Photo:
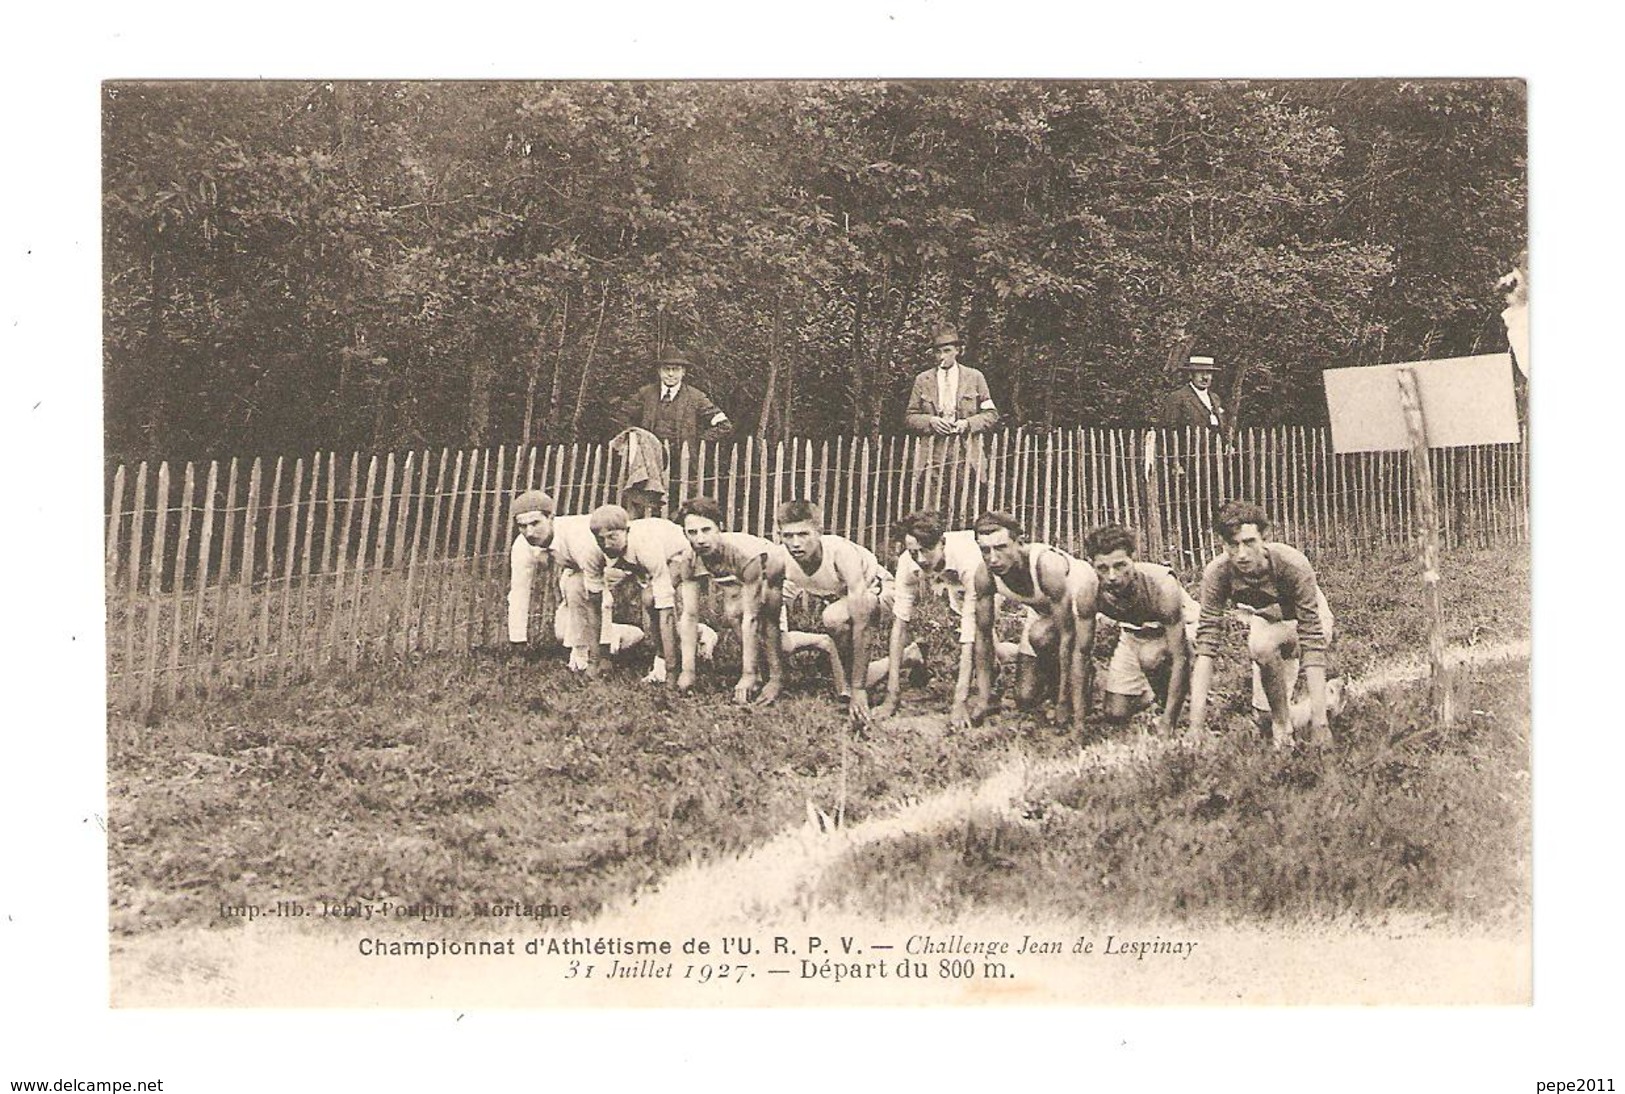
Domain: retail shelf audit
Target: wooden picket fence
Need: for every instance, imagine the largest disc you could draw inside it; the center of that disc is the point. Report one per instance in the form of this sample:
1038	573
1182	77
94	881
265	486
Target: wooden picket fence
261	571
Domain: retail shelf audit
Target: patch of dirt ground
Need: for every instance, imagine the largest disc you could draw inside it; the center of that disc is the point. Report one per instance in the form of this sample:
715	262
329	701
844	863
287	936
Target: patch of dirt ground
767	893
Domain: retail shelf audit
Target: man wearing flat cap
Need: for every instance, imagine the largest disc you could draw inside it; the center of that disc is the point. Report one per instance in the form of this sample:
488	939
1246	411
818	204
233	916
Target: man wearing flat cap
1195	405
949	403
567	544
674	410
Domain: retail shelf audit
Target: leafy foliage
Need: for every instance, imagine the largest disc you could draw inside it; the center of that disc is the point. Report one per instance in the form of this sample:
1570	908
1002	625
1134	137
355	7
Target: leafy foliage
380	265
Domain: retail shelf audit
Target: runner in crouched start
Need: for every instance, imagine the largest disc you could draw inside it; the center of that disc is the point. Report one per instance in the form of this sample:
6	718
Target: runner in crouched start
933	557
1273	588
858	592
749	572
567	545
640	548
1057	638
623	639
1156	620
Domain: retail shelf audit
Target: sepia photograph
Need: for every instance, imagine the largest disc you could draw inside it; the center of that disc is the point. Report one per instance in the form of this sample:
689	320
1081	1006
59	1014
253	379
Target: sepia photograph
816	542
880	545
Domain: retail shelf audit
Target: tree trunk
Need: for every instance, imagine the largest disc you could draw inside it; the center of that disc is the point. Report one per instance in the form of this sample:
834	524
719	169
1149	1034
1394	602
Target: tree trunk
380	414
788	407
533	380
1018	369
155	349
975	325
893	341
552	419
478	423
772	367
859	307
340	115
530	404
1179	353
586	366
1076	407
1049	388
1236	386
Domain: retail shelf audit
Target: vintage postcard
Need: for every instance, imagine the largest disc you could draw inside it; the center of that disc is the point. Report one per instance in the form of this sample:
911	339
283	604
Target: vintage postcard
824	543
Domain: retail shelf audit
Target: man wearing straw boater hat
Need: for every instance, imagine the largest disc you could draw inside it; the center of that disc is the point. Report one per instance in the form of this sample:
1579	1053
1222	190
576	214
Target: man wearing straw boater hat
1194	405
1194	412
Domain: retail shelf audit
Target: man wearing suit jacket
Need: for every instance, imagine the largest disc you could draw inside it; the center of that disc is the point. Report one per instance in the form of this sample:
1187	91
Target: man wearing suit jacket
1193	408
676	412
1195	405
949	401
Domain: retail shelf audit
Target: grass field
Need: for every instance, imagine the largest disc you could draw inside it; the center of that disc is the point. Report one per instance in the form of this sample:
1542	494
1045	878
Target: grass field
455	780
1396	818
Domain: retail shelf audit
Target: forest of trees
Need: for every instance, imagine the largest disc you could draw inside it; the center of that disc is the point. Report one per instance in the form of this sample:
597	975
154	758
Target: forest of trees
292	266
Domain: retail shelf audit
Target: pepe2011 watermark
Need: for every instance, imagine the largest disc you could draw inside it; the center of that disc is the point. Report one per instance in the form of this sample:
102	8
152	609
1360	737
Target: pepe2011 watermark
423	911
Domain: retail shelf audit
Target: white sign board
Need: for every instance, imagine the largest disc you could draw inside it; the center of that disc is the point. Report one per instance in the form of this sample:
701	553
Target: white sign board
1465	400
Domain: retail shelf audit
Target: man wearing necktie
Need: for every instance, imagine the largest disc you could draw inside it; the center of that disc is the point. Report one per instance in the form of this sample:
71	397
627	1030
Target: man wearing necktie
949	402
675	411
1198	421
1195	405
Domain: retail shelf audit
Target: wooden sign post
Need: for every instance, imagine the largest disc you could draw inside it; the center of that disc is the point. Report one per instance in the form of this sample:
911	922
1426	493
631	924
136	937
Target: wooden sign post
1441	691
1380	408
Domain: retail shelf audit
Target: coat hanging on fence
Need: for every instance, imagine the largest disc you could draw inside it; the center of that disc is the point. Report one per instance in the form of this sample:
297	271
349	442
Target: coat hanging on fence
645	459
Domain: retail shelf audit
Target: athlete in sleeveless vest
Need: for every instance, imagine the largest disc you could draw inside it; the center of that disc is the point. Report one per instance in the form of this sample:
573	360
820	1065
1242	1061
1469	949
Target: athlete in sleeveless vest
848	573
749	571
933	557
1057	637
639	548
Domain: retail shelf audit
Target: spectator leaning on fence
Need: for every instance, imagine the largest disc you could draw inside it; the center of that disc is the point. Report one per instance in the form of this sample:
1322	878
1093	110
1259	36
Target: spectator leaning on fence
1194	404
674	410
1156	622
1273	588
567	544
950	399
1058	637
